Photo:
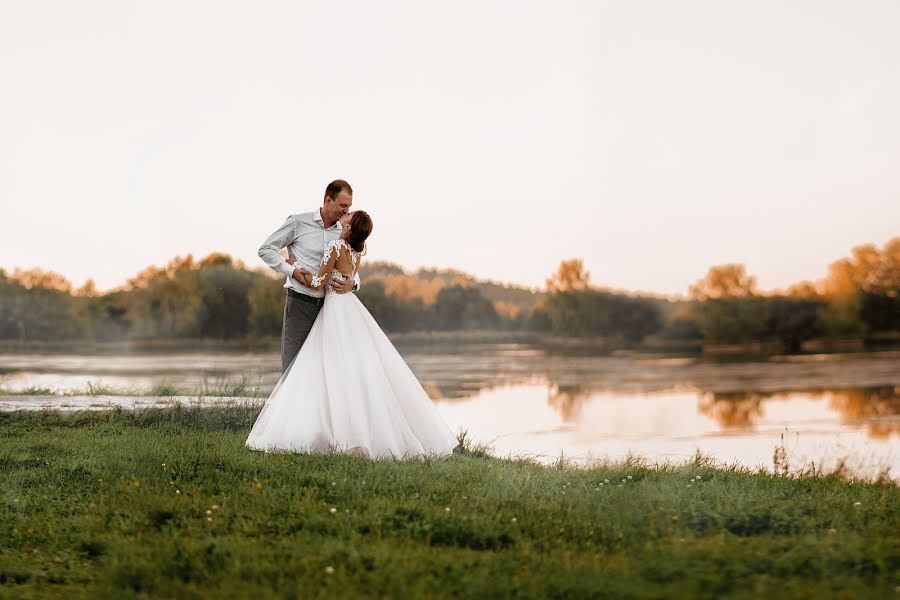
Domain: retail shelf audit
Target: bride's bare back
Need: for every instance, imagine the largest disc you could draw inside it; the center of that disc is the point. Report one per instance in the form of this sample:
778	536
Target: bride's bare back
340	261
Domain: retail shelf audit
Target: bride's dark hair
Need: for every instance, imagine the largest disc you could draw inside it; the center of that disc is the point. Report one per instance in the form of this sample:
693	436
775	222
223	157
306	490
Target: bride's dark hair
360	228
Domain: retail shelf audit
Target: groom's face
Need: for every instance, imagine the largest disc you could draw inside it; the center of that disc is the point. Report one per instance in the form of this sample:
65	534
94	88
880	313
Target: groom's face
339	206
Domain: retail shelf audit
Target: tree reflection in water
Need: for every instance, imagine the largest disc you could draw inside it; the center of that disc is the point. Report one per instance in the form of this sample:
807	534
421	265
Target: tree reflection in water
733	410
880	403
567	400
742	410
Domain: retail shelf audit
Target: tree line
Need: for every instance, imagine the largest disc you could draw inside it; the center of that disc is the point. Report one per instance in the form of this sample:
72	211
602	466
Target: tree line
217	297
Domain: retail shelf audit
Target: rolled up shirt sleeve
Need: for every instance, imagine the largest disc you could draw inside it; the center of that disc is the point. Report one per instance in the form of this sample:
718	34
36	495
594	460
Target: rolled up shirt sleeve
282	236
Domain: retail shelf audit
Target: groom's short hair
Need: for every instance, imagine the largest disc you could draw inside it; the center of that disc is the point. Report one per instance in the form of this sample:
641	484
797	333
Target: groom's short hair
336	187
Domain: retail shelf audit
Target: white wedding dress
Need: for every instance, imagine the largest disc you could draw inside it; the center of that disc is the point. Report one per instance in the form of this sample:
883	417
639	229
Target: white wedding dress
349	390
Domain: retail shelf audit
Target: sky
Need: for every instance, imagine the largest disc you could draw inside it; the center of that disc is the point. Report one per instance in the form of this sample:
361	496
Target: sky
651	139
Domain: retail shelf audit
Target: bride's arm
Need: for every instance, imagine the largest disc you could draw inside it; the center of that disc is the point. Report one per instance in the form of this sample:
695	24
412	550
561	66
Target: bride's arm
301	275
331	254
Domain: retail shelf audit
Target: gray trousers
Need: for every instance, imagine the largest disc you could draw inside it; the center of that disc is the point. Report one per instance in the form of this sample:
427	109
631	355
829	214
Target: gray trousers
299	317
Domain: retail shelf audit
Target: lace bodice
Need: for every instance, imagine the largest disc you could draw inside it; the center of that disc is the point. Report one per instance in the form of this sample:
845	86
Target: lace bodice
339	257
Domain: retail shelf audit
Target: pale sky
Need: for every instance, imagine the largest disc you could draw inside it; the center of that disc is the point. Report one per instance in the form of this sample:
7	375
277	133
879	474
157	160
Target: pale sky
651	139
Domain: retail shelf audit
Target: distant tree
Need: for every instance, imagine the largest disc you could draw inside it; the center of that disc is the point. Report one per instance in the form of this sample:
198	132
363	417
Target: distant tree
570	276
601	313
266	302
377	269
382	308
863	291
724	281
224	291
683	327
731	320
792	321
459	307
89	289
165	302
29	311
804	290
538	319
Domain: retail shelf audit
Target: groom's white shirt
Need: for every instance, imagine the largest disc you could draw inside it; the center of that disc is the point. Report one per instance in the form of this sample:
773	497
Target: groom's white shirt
305	237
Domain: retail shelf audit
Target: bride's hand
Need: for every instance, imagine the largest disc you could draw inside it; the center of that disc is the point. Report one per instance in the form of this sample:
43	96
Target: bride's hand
304	277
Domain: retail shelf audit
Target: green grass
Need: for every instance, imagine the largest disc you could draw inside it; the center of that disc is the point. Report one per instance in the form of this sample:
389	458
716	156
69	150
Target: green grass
169	503
164	388
246	387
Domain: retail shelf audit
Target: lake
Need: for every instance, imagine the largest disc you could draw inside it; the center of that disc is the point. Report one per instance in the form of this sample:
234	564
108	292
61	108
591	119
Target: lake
525	400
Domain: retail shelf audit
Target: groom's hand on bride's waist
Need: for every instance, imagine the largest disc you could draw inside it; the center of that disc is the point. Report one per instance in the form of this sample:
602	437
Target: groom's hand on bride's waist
342	287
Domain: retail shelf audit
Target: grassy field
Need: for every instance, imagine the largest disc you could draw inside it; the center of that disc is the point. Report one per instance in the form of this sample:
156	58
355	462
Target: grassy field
169	503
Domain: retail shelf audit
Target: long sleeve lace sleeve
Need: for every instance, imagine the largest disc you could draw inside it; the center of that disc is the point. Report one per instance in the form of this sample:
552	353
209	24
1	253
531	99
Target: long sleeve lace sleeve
331	254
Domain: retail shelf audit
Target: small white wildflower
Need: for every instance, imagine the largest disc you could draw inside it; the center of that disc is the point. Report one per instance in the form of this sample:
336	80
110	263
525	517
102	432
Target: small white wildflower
333	484
699	478
329	569
857	504
446	509
513	519
624	480
209	519
832	531
177	492
629	477
332	510
215	507
208	512
601	483
606	481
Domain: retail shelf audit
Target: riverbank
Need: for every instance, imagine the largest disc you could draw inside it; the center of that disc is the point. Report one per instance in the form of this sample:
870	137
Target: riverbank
169	502
444	340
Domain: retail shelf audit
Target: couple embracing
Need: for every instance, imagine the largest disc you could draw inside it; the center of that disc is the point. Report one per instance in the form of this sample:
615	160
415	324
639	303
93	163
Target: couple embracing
345	387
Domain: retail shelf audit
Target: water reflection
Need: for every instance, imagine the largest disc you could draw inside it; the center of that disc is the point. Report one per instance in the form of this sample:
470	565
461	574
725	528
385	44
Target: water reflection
877	407
825	427
524	401
568	400
733	410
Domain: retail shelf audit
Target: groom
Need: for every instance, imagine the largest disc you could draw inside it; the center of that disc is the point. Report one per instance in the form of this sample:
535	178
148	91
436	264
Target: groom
305	236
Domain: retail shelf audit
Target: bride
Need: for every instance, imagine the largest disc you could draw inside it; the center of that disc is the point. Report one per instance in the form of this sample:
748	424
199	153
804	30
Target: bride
348	389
